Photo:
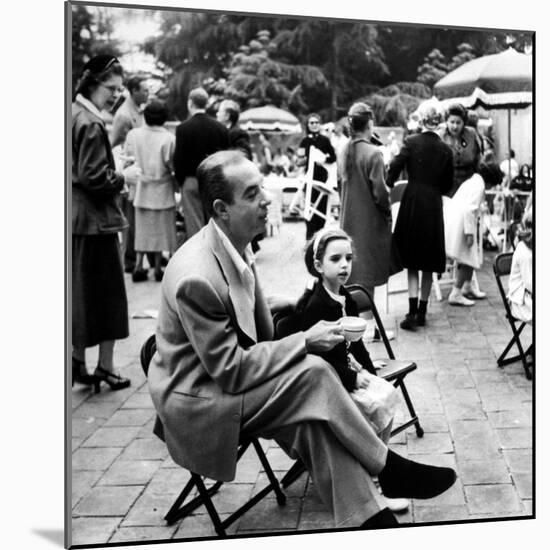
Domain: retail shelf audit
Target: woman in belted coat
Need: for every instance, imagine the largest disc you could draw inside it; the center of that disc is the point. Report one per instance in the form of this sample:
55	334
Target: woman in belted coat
99	304
419	230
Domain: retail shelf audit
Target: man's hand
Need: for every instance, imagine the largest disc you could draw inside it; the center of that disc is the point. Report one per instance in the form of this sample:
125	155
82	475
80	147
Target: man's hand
469	240
323	336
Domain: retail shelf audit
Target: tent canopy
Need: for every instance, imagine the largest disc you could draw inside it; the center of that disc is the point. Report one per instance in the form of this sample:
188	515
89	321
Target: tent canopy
269	119
504	72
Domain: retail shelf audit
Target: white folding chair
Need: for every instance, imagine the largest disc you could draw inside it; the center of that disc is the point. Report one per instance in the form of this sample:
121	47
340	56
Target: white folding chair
325	189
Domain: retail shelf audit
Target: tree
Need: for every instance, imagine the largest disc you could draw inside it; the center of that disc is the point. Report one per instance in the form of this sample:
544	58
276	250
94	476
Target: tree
465	54
433	69
91	35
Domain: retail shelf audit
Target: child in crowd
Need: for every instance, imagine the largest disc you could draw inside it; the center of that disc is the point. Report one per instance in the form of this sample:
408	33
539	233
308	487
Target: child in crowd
520	284
328	258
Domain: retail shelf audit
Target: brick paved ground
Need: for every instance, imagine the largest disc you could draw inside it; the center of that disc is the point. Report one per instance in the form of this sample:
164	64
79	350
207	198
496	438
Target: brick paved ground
477	419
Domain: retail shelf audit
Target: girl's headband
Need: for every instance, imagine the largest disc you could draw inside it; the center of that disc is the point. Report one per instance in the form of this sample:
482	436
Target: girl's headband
323	233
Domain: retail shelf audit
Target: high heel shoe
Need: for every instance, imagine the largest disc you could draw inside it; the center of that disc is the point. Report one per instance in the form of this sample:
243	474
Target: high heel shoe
114	381
80	374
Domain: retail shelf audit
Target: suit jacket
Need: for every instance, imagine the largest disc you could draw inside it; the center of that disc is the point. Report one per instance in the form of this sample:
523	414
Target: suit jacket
317	305
207	357
196	138
95	184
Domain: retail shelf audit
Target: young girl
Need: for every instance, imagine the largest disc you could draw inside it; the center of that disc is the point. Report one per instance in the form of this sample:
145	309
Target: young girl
329	257
520	284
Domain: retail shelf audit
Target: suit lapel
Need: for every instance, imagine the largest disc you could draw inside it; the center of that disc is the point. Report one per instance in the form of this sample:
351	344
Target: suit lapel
243	305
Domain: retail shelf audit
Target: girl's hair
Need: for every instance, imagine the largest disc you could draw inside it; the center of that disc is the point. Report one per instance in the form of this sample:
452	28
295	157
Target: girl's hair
315	250
526	233
317	246
99	69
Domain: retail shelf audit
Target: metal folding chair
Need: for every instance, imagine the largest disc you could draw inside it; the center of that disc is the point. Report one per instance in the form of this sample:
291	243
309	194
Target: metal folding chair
394	370
502	267
180	510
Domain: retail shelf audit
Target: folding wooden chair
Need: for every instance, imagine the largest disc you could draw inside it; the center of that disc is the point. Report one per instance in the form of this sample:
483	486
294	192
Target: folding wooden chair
180	510
501	267
324	189
394	370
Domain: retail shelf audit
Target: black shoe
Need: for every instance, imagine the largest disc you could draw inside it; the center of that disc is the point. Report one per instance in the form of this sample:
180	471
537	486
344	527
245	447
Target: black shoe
382	519
80	374
114	381
129	268
158	275
409	322
420	320
163	261
403	478
139	275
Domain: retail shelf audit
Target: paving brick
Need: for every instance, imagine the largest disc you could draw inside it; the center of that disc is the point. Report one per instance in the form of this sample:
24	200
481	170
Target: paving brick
431	514
519	418
82	483
465	411
130	472
477	472
493	403
231	496
108	396
130	417
200	526
138	400
94	458
145	449
429	444
84	427
135	534
111	437
519	460
168	481
268	516
107	501
148	510
524	485
96	410
92	530
497	500
515	438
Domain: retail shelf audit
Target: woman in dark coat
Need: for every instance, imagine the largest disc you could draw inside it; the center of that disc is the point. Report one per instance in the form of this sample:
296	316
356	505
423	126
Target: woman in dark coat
99	305
419	231
314	138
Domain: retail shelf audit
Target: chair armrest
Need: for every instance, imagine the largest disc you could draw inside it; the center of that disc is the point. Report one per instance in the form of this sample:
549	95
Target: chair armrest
395	368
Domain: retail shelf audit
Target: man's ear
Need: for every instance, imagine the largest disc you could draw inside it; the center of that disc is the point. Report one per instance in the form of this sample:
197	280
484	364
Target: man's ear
220	209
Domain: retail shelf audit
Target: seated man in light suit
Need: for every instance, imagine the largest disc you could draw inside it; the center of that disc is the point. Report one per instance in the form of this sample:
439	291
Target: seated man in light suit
217	374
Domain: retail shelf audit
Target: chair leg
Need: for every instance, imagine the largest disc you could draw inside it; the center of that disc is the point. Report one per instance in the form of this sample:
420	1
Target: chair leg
177	511
281	497
204	493
414	418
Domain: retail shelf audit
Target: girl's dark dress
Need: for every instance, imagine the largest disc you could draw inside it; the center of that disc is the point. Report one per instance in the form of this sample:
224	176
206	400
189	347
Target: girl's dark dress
317	305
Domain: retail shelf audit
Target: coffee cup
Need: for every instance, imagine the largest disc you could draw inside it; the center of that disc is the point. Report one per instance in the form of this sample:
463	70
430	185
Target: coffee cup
354	328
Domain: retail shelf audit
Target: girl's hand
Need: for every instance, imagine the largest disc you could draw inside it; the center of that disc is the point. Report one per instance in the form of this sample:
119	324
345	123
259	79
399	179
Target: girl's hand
469	240
361	381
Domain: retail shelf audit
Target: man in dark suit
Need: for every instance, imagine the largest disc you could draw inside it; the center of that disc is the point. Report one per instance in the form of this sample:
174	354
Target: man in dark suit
219	375
196	138
228	115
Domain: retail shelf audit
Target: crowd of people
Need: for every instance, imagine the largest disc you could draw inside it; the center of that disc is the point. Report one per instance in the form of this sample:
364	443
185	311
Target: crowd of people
218	373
